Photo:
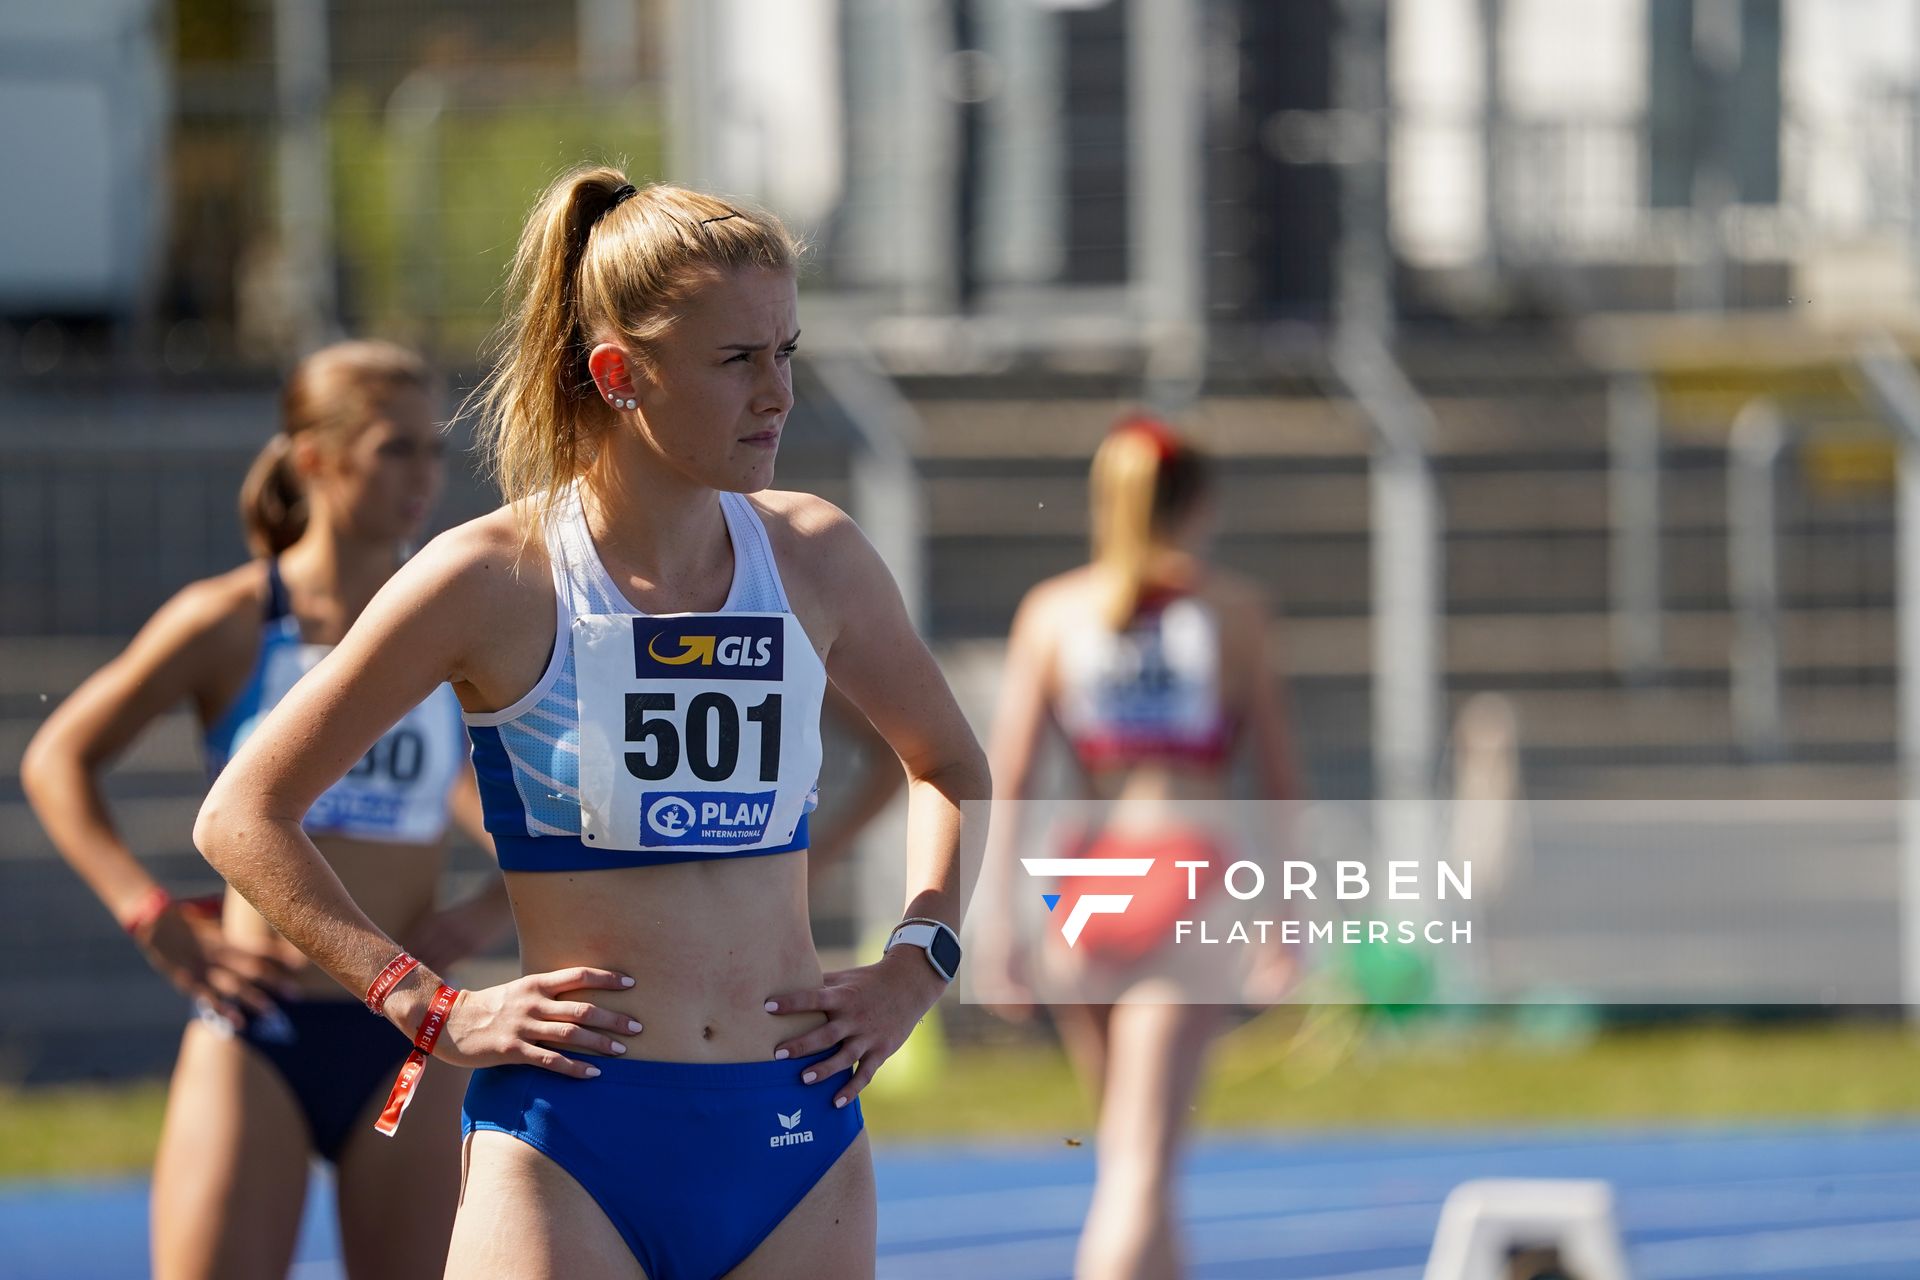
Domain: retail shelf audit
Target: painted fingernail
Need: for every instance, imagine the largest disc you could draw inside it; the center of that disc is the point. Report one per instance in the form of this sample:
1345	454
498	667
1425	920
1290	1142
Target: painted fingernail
773	1006
618	1047
839	1102
779	1054
626	981
809	1077
592	1072
632	1025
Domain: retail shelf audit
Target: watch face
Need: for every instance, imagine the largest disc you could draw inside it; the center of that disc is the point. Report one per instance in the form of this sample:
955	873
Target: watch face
945	952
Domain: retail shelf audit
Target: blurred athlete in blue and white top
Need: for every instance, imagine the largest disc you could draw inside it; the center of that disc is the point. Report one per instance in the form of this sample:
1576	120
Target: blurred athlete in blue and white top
642	639
280	1065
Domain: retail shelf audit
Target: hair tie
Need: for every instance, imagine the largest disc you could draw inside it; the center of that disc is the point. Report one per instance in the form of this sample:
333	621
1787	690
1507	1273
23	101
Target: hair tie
626	192
1159	434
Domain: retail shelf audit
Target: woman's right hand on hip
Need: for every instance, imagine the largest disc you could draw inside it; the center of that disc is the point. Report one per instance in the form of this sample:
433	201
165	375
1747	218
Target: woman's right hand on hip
527	1021
190	951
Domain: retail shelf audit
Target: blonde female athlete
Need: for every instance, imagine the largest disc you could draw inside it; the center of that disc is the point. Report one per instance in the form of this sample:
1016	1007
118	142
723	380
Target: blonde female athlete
279	1065
1155	667
641	648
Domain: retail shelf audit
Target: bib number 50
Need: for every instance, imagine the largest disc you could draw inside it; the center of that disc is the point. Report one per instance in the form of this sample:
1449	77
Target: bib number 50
711	736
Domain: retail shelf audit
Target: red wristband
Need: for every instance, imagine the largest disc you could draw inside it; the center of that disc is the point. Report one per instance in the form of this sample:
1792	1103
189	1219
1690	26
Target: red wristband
387	979
152	905
430	1028
208	905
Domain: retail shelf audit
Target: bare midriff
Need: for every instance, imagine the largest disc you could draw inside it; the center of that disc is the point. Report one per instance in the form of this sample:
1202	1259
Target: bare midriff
1154	798
395	884
706	943
1148	784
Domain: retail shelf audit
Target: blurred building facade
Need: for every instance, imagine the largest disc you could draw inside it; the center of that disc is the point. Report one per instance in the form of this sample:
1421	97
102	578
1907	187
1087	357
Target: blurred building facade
242	177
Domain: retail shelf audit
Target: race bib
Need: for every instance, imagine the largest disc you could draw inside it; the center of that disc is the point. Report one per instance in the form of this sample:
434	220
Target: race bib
690	724
1156	680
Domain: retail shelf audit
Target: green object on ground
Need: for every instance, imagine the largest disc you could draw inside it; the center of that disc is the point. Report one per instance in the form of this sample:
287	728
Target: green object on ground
1391	978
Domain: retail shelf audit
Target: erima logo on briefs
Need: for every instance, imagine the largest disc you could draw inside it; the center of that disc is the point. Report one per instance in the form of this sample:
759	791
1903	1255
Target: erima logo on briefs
713	818
1087	905
710	647
789	1138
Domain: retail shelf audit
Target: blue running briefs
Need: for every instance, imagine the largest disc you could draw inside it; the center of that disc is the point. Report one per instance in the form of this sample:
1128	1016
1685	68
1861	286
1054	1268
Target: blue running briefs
695	1163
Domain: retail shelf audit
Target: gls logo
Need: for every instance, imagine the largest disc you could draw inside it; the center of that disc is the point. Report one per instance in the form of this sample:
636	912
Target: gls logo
1087	905
706	650
712	647
789	1138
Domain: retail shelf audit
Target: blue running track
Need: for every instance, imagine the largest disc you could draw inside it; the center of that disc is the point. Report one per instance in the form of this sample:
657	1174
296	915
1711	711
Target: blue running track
1802	1203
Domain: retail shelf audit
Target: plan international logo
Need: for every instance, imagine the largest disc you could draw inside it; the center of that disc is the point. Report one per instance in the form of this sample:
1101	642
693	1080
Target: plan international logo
723	818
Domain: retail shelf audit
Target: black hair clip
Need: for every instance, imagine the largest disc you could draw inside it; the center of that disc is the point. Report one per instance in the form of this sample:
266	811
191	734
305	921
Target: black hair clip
722	218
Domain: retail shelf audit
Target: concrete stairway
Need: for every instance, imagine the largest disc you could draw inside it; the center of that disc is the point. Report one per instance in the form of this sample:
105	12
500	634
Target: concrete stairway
1521	466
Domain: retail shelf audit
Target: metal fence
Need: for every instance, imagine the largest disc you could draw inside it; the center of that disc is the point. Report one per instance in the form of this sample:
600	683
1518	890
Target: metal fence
365	167
1578	189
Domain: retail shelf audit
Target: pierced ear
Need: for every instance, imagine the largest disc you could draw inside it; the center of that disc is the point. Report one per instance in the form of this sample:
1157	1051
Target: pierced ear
613	378
307	458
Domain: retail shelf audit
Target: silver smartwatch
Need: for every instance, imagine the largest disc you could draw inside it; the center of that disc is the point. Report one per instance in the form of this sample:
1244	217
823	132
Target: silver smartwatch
933	937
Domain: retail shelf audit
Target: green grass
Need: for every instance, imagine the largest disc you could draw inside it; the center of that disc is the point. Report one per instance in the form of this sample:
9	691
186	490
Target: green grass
1700	1074
80	1131
1432	1079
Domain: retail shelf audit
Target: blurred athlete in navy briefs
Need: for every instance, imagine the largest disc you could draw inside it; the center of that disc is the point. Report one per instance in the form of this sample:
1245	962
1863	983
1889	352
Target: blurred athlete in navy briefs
641	650
1154	666
329	507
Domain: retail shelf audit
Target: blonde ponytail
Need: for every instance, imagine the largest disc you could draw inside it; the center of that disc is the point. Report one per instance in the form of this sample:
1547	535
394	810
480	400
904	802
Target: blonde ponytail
599	260
1144	478
1123	476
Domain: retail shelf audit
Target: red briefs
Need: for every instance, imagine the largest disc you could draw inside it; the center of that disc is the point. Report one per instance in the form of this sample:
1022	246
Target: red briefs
1159	897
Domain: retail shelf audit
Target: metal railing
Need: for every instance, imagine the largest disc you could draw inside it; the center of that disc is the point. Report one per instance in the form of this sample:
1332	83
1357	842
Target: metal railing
1895	388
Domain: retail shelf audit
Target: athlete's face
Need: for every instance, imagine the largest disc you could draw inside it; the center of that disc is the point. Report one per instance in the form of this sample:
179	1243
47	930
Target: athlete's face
715	395
383	484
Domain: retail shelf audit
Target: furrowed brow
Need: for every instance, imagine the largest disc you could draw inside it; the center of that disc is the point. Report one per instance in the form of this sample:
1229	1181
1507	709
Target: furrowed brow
759	346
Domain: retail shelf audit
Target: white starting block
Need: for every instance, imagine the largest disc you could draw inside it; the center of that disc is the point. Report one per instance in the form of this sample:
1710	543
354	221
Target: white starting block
1490	1228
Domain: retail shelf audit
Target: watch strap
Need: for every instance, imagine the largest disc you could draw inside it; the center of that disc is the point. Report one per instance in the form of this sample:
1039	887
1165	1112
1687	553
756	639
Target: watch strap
921	932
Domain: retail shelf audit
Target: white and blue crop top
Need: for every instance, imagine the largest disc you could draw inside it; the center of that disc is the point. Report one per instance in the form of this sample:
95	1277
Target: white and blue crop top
1148	693
656	738
398	791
